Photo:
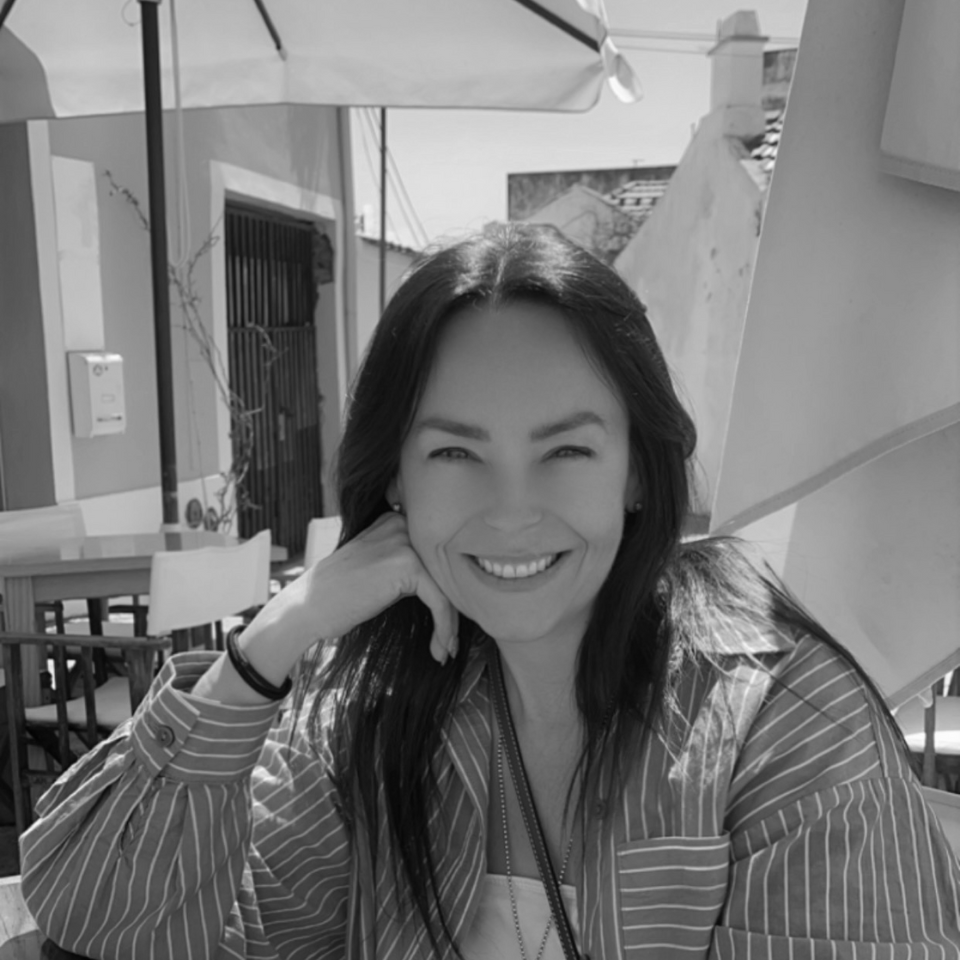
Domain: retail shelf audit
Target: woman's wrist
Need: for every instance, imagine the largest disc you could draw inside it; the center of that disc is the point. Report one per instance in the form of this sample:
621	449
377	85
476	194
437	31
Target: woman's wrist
251	676
222	684
271	645
276	638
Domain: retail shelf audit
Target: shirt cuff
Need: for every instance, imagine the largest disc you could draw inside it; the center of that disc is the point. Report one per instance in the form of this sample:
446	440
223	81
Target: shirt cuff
190	738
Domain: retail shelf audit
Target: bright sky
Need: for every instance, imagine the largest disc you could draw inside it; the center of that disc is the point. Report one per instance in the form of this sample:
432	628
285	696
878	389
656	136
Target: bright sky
454	163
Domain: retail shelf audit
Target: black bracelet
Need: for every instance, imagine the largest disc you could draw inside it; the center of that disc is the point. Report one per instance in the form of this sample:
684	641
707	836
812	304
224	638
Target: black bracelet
249	675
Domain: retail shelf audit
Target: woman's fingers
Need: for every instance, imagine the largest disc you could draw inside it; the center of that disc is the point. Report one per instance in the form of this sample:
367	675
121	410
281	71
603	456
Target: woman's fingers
443	643
375	569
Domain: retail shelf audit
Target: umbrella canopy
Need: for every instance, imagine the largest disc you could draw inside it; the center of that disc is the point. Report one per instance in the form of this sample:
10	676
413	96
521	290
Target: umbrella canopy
61	58
842	454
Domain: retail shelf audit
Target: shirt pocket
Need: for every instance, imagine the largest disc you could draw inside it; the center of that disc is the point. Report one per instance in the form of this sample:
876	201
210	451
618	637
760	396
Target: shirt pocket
732	944
671	893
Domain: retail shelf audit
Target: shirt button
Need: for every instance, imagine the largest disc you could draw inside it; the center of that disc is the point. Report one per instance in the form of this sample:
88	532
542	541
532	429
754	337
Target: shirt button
600	810
165	736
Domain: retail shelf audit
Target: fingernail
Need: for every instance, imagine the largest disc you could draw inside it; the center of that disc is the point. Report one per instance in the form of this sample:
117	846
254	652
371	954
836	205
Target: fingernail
454	645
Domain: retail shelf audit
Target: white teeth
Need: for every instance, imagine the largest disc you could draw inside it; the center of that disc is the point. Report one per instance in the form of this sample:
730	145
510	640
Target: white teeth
517	571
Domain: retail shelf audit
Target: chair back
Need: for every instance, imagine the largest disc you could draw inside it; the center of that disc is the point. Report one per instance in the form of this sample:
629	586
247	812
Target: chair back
24	530
191	588
20	938
323	535
52	727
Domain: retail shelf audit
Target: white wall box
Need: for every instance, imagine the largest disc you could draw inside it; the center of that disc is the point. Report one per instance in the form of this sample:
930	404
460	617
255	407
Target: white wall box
96	393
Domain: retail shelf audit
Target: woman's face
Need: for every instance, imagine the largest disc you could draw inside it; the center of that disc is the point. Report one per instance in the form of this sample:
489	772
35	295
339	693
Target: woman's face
516	473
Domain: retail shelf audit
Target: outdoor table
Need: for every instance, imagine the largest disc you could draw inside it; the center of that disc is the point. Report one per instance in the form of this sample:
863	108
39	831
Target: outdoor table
108	566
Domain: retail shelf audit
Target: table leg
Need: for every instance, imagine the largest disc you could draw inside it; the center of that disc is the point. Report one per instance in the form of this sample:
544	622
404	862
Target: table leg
19	612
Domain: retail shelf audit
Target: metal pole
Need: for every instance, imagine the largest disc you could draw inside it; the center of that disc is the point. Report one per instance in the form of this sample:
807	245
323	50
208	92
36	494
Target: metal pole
383	208
150	34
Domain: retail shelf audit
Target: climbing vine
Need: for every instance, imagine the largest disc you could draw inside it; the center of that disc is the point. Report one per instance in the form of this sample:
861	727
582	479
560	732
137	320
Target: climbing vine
232	496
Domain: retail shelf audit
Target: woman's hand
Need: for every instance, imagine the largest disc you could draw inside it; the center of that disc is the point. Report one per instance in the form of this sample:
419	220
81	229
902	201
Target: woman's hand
365	576
355	583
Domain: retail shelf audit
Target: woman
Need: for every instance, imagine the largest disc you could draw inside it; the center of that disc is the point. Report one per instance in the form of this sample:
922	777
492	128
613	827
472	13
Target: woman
713	775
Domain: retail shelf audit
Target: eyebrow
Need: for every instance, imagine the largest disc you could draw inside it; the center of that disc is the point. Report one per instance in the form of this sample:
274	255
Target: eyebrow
469	431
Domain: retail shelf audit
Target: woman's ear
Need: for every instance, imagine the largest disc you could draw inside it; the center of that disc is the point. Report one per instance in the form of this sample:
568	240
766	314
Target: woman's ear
394	493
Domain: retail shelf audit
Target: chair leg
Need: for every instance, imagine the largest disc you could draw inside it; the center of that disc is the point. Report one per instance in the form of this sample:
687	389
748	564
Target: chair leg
61	694
89	697
49	742
139	618
6	792
95	616
929	778
96	608
140	674
22	806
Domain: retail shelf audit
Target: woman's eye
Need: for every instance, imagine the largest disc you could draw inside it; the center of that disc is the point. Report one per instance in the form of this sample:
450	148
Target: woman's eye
566	453
451	453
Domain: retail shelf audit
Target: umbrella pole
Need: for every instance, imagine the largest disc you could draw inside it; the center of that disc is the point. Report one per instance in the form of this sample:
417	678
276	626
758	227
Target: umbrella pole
383	208
150	35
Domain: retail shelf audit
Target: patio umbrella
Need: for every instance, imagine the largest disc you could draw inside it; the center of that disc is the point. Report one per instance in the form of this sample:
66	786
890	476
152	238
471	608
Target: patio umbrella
842	454
61	58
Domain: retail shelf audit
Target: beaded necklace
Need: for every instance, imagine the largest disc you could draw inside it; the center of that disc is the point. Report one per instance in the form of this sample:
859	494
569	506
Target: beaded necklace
506	848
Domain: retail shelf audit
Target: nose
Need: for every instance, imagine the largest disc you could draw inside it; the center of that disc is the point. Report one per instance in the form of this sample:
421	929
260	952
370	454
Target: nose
514	504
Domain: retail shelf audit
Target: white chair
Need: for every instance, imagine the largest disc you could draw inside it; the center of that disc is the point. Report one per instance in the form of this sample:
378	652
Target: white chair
206	585
323	535
931	727
20	938
188	589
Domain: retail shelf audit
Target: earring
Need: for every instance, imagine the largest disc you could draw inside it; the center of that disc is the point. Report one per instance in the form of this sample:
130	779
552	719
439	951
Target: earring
637	507
396	507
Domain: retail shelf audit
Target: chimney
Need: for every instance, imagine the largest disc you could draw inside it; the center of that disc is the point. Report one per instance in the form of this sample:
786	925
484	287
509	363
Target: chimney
736	74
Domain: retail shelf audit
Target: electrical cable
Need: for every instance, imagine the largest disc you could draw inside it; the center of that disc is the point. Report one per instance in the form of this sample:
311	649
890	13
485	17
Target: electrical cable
411	227
420	233
414	224
412	221
374	173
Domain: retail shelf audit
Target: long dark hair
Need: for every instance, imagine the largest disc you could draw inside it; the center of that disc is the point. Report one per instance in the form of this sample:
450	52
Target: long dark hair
392	700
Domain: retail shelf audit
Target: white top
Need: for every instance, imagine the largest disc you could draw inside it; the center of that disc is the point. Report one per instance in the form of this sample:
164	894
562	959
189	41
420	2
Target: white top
493	935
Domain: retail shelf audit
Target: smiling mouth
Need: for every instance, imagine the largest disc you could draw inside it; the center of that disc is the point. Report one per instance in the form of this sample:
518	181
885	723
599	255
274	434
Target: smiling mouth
517	571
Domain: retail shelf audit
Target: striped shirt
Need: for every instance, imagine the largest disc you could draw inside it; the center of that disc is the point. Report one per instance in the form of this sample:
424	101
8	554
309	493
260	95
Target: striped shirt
781	821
